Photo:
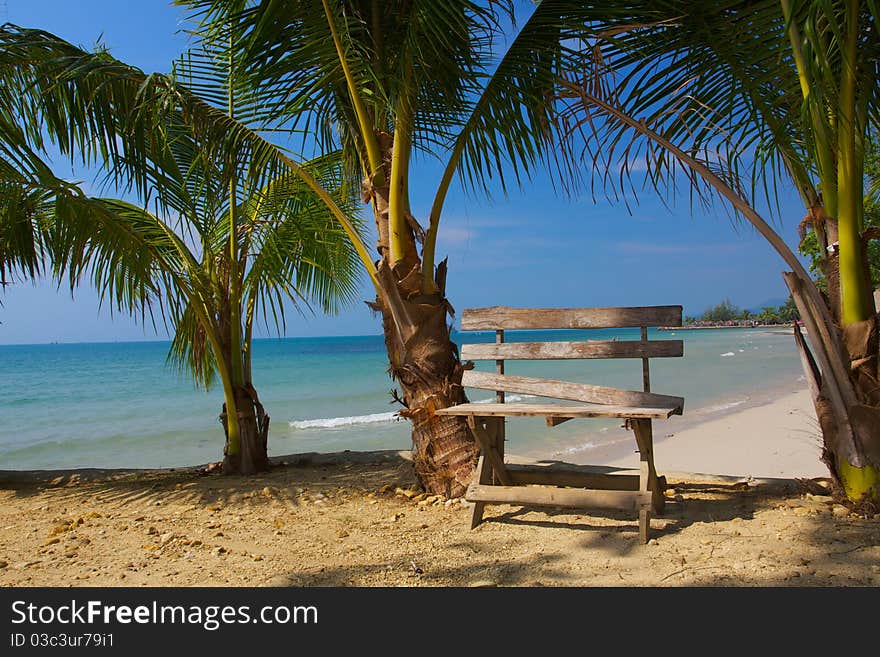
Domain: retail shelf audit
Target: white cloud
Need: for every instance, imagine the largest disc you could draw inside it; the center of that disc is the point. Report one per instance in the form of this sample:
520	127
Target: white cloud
454	235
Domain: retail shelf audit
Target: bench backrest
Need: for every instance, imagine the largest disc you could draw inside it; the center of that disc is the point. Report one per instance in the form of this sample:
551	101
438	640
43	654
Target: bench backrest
503	318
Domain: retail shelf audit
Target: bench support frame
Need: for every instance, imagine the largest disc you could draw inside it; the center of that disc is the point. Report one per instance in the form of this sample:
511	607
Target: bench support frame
497	483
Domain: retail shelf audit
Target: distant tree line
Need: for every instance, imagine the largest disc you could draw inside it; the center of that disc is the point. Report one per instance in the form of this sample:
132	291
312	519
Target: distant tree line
728	313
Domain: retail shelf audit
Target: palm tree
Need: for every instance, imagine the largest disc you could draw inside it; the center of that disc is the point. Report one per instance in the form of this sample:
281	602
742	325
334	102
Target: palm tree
781	91
390	83
211	251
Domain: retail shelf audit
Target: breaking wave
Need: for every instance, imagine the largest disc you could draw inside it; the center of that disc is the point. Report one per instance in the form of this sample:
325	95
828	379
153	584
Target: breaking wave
334	422
374	418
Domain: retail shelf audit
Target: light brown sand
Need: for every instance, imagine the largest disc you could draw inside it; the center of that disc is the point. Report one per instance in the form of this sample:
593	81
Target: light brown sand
337	520
779	439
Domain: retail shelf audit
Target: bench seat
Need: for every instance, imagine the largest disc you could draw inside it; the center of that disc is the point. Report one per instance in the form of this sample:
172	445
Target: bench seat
559	410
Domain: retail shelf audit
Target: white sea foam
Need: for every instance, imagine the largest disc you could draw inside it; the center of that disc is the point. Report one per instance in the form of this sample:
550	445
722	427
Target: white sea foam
332	422
717	408
729	353
507	398
375	418
583	447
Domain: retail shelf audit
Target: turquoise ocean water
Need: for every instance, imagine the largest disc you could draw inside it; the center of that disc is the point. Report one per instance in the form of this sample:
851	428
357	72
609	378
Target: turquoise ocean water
118	405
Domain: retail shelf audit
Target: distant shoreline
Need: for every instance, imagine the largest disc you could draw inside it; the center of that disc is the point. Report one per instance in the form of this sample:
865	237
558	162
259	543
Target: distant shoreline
712	328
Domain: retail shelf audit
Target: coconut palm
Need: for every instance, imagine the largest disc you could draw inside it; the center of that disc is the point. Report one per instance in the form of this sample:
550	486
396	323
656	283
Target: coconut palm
393	84
209	248
778	92
390	84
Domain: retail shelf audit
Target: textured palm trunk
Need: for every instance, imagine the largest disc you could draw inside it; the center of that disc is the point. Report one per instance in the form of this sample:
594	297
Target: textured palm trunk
860	476
423	359
847	401
424	362
250	456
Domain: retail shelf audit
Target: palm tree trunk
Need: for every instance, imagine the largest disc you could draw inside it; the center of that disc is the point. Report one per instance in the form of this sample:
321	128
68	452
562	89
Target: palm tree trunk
846	391
422	357
424	361
848	408
248	455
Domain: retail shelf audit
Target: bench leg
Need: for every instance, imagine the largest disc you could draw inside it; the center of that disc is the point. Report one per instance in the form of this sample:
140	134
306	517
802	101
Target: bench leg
648	480
644	512
485	473
645	439
644	525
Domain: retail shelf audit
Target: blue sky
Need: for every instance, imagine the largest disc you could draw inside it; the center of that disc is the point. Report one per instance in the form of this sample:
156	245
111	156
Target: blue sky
527	249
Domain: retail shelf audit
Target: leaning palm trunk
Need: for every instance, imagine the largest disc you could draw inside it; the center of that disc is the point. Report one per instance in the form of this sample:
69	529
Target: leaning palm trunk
846	397
841	367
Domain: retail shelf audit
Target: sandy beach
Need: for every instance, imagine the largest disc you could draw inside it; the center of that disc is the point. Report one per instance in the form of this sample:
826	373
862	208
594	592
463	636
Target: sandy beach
356	519
776	439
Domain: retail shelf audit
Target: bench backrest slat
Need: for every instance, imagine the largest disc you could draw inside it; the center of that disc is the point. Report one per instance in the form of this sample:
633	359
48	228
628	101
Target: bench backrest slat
570	350
505	318
580	392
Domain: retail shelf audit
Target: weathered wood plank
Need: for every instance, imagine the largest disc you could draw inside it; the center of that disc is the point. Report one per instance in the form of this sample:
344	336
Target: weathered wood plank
487	449
555	421
558	476
499	398
572	498
568	350
581	392
556	410
504	317
644	434
644	525
483	475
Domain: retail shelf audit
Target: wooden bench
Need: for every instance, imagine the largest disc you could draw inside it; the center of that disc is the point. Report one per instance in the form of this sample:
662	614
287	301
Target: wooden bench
498	483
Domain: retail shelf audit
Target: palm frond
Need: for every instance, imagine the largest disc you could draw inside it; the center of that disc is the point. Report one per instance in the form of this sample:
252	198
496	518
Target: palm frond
24	220
191	350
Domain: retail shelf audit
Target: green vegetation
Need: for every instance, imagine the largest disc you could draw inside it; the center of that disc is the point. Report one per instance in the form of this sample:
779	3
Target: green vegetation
809	245
787	97
393	84
389	84
727	312
209	249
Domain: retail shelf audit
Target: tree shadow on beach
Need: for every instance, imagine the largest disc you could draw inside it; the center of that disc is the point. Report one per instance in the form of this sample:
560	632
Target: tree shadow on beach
484	569
692	502
824	550
515	546
288	478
